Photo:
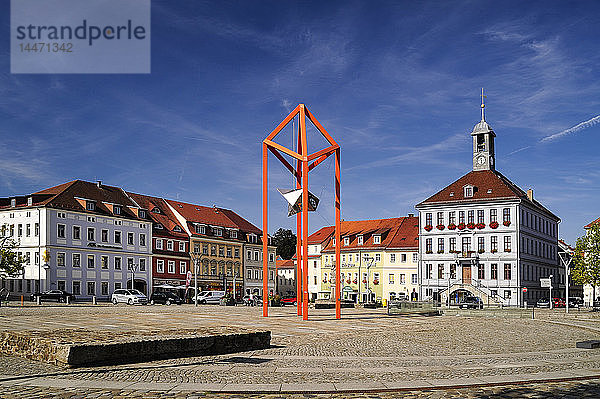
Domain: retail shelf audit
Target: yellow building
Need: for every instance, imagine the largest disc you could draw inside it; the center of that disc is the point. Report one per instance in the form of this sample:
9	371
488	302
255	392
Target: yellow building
379	260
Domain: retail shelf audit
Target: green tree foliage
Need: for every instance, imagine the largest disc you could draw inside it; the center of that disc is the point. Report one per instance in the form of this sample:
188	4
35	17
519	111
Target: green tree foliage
285	241
586	260
11	264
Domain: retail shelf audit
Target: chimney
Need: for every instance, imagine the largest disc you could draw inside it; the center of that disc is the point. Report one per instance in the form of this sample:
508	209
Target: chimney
99	183
411	215
530	194
215	209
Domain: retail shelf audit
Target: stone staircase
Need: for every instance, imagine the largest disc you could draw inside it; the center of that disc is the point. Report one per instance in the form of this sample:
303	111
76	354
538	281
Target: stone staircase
477	289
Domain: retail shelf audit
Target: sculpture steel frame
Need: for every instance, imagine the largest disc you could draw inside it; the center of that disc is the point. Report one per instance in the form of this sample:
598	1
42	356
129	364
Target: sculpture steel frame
305	162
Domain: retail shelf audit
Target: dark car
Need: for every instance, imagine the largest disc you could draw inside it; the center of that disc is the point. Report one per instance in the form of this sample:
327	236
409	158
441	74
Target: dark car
166	298
53	295
471	302
575	301
289	301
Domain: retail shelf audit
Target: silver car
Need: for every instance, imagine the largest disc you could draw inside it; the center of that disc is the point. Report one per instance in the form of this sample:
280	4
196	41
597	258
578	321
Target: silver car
129	296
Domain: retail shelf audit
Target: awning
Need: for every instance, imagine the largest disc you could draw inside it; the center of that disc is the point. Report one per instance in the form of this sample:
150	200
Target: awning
166	286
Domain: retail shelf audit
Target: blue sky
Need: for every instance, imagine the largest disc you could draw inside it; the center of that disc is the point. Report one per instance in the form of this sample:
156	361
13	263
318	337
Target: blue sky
397	84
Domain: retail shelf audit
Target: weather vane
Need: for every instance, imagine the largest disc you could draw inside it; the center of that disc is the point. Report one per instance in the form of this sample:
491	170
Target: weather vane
482	105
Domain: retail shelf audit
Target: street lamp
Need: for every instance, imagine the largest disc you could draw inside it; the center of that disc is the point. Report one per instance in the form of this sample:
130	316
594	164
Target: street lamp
370	263
550	277
46	258
566	261
196	258
133	267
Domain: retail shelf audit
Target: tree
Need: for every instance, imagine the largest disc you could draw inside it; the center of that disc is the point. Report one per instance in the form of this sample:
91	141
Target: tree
586	259
11	263
285	241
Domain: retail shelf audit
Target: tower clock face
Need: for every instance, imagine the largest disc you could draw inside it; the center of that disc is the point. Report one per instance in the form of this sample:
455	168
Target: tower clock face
481	160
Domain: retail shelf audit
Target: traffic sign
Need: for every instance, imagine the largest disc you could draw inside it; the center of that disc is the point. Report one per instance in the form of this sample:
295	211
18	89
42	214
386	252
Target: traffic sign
545	283
524	289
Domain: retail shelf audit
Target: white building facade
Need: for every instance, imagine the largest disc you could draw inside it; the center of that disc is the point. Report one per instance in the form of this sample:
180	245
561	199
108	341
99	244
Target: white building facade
484	236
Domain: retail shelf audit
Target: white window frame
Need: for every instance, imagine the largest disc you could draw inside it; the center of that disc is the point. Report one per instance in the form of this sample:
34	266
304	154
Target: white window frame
160	266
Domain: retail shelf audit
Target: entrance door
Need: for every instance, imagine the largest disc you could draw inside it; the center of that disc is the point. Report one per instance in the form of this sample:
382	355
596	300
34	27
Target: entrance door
466	274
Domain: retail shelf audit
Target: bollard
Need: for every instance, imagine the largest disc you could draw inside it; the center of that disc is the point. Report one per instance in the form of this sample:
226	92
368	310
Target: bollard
38	300
68	300
22	300
532	312
94	300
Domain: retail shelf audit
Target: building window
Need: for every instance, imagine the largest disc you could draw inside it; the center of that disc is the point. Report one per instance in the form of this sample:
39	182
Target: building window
494	271
440	245
37	229
271	257
129	238
117	263
142	214
117	210
181	246
60	230
506	243
213	250
392	258
60	284
76	260
218	231
471	216
480	218
204	249
104	235
91	288
160	266
507	294
493	215
480	244
359	240
91	261
414	278
440	272
377	257
466	244
236	253
233	234
60	259
104	262
104	288
169	245
428	219
494	244
76	287
118	285
229	252
117	237
440	218
452	244
171	268
90	205
142	240
429	270
255	255
37	258
91	234
429	245
468	191
506	215
142	264
221	252
76	233
452	217
461	217
346	241
182	267
481	271
377	239
507	271
452	270
159	243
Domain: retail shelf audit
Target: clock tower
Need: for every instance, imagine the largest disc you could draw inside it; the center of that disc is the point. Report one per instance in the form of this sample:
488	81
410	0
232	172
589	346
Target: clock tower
483	143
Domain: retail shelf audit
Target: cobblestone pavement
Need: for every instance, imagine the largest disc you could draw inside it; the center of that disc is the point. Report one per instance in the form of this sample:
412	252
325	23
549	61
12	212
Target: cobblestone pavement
365	351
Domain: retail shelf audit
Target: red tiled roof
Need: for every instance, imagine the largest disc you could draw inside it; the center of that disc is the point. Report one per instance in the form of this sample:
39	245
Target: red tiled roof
285	263
395	233
321	235
589	226
166	217
489	185
202	214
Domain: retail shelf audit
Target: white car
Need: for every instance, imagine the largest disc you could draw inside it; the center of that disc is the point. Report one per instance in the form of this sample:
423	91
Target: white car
129	297
213	297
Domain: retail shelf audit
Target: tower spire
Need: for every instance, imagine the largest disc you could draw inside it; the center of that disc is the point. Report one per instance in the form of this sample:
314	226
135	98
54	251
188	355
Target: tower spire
482	106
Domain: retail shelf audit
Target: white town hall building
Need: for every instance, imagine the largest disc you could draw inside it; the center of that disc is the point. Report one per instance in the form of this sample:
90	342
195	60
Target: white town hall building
484	236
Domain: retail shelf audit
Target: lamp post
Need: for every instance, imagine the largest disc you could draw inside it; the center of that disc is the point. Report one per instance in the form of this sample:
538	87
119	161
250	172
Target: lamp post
46	258
550	277
196	257
566	259
133	267
370	261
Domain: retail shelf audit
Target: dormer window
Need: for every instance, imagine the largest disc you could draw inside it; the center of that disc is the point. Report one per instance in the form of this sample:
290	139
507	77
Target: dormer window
13	202
142	214
218	232
177	229
156	210
468	191
376	239
333	242
29	201
90	205
346	241
359	240
252	238
158	226
117	210
233	234
200	229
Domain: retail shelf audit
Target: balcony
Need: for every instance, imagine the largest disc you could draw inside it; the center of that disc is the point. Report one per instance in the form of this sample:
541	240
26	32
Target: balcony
466	255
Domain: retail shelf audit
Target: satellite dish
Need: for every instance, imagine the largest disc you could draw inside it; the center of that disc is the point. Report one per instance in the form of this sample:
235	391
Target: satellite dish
294	199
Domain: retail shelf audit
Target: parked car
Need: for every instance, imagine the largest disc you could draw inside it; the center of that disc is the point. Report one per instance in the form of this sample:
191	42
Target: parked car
575	301
210	297
166	298
53	295
292	300
558	303
128	296
543	303
471	302
256	300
